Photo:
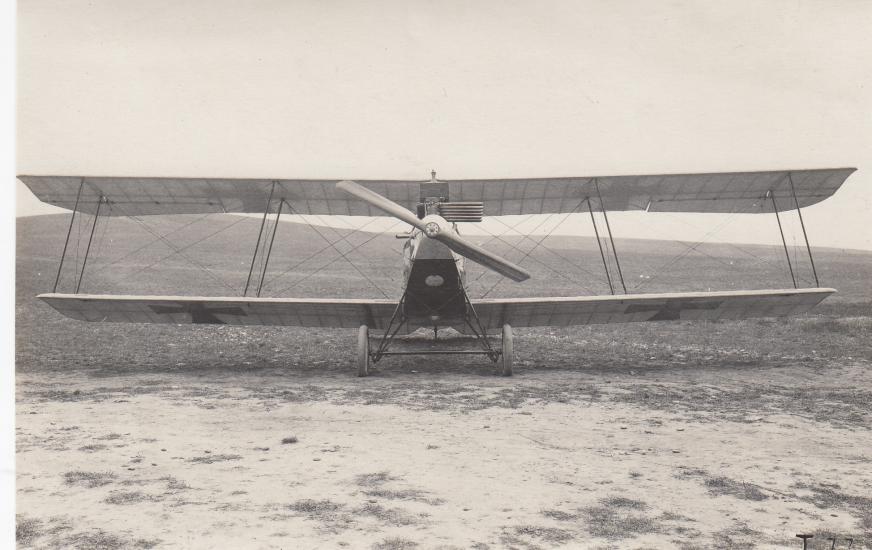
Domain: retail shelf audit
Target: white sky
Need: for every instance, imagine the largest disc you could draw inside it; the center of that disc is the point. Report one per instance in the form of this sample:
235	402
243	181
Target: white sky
472	89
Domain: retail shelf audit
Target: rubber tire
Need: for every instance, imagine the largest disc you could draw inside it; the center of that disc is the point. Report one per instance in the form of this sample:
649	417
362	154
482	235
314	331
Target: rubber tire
507	357
363	351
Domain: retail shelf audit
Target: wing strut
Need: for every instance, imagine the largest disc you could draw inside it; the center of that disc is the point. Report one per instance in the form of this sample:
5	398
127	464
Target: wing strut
804	234
600	245
67	242
609	228
259	235
783	241
90	239
269	250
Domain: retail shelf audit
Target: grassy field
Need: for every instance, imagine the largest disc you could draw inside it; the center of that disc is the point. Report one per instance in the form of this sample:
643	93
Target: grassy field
695	435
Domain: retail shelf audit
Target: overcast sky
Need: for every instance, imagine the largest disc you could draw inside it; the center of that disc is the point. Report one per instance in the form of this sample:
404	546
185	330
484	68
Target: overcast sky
472	89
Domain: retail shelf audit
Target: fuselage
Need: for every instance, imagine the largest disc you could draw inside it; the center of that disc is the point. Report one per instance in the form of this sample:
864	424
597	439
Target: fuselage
435	277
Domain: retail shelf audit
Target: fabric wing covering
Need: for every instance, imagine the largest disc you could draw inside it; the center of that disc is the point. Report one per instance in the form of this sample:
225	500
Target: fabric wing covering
715	192
521	312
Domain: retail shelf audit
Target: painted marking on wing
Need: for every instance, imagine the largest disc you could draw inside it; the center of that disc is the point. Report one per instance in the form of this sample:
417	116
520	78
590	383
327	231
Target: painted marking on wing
200	314
671	311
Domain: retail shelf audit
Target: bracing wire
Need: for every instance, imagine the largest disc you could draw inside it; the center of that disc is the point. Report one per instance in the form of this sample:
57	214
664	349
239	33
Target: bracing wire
556	272
331	262
79	227
151	242
189	245
538	244
685	253
731	245
492	237
352	228
101	238
178	251
316	253
344	256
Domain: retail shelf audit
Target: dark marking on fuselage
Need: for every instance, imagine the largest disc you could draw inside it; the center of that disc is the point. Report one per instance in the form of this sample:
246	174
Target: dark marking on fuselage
446	301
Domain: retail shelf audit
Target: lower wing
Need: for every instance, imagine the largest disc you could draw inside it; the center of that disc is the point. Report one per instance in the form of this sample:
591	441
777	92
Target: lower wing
683	306
289	312
376	314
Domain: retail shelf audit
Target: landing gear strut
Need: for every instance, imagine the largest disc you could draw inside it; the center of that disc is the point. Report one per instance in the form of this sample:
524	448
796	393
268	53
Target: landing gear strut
363	351
507	355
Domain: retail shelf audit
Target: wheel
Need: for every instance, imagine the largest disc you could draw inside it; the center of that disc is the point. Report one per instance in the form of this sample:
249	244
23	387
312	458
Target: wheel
363	351
508	354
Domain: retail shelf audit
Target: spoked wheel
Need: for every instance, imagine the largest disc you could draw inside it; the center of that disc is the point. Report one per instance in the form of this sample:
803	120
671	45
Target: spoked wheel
507	356
363	351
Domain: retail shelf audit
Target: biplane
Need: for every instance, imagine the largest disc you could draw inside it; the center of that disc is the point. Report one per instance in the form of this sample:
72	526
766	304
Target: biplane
435	291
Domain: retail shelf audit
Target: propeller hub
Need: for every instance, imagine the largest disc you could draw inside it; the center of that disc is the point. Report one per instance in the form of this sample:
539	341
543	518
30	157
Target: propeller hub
432	229
435	226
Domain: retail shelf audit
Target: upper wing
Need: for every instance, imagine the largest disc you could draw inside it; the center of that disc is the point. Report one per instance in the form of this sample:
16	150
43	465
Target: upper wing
147	196
288	312
717	192
690	306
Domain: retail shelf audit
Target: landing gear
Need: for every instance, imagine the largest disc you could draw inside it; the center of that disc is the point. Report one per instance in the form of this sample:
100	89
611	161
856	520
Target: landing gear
507	354
363	351
502	356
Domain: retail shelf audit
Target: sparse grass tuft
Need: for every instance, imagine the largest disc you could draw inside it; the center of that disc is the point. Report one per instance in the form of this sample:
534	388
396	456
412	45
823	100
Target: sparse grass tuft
559	515
722	485
128	497
332	514
404	494
858	327
672	516
175	484
395	543
27	530
313	508
547	534
622	502
209	459
725	486
612	520
289	440
92	448
390	516
88	479
739	535
96	540
374	479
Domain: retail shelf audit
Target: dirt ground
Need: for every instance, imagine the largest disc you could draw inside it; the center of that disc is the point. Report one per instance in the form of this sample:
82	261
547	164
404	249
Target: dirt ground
659	459
725	435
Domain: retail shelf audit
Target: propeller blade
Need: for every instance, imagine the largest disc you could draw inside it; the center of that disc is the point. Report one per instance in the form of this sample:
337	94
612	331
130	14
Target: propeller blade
482	256
381	203
435	227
